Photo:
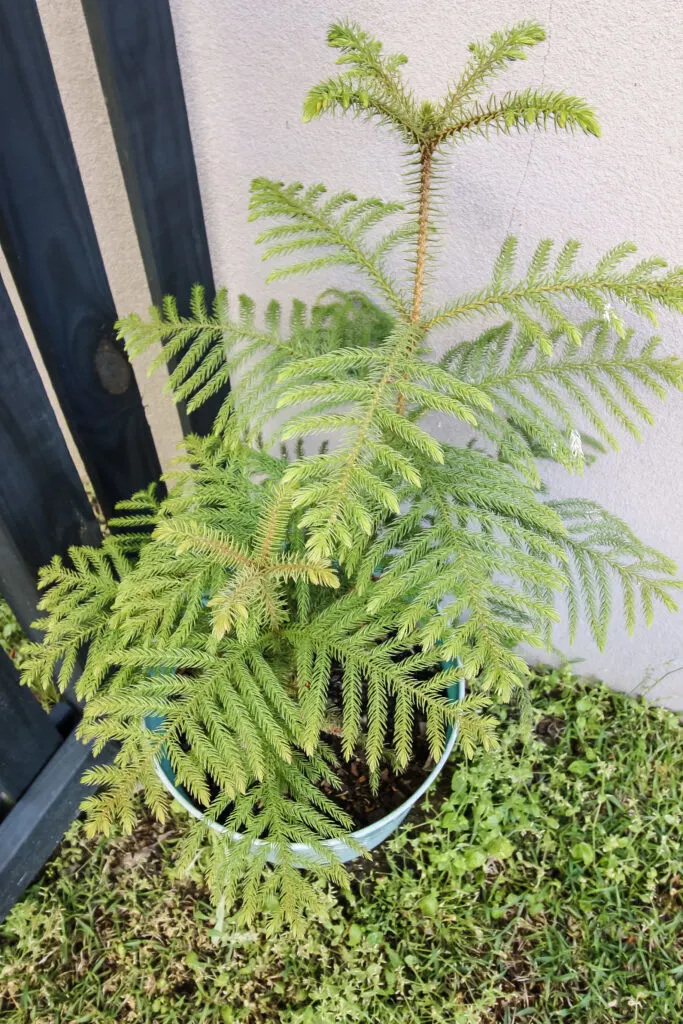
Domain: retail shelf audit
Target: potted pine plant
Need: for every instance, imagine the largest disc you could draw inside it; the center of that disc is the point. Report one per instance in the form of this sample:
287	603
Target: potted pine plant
287	616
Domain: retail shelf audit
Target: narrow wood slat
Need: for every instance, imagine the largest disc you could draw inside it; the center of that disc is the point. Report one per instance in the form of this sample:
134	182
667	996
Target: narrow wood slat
34	827
48	237
134	46
27	736
43	506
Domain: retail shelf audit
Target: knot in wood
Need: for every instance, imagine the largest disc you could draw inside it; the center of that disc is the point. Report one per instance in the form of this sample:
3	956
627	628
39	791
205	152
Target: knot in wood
113	369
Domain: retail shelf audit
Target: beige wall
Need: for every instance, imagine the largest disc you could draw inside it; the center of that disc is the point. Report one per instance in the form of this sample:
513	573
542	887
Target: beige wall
246	68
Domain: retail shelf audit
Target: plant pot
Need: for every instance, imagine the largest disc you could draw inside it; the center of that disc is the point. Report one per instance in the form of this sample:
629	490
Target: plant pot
369	837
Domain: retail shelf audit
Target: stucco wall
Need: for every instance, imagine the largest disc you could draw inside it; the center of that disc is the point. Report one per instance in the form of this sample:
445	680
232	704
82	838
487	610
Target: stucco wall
246	69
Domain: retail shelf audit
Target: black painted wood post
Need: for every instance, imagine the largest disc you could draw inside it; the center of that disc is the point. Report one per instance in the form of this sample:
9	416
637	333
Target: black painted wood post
134	46
43	509
43	506
29	738
37	822
48	237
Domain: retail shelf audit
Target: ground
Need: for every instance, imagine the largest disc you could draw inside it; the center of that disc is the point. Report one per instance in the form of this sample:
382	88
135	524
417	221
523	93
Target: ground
543	885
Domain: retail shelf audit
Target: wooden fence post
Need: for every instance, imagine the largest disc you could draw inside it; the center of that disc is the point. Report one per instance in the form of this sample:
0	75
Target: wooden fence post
43	507
134	47
49	240
29	737
37	822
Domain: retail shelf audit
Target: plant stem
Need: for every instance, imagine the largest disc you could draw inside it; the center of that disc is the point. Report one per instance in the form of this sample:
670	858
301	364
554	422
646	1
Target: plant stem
422	229
421	248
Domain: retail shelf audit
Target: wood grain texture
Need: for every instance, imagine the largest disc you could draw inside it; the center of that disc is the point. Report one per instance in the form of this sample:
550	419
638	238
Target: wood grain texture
43	506
29	738
48	237
34	827
134	47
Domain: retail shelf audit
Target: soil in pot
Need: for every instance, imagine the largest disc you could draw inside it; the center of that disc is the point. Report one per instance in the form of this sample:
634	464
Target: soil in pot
356	795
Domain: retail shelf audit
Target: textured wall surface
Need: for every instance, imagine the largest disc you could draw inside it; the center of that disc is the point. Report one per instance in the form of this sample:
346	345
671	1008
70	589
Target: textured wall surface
246	70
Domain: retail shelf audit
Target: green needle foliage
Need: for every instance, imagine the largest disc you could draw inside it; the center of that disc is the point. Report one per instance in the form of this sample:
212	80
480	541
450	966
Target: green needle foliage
208	626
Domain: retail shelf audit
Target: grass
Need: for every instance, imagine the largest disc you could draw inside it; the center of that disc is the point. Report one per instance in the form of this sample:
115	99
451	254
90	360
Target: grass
546	888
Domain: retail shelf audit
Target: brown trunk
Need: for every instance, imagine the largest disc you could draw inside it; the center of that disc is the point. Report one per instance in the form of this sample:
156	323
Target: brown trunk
421	249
